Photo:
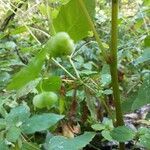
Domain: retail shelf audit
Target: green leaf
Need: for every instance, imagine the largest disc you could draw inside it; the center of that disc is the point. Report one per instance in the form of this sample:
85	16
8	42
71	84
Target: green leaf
72	20
13	134
145	57
143	94
147	41
17	115
28	88
105	75
105	79
145	140
142	131
18	30
3	146
106	135
144	137
146	2
90	102
28	73
98	127
62	143
127	104
122	134
2	124
40	122
107	92
52	83
10	45
4	78
108	123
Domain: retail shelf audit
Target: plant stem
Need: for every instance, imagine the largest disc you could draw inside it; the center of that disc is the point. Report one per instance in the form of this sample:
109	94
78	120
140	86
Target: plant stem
91	24
74	78
50	21
76	71
113	67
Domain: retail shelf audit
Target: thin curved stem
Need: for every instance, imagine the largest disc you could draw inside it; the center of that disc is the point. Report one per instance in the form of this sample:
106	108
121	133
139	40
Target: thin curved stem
76	71
50	21
64	69
91	24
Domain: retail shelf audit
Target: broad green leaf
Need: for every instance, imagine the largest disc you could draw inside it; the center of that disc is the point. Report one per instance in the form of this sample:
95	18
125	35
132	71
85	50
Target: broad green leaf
2	124
40	122
145	140
28	88
28	73
98	127
106	135
3	111
105	79
143	131
10	45
127	103
105	69
108	123
143	94
3	146
13	134
122	134
145	57
62	143
72	20
52	83
17	115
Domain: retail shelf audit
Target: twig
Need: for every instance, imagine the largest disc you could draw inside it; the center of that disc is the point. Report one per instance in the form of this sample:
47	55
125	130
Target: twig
74	78
71	62
85	44
23	60
91	24
10	17
132	87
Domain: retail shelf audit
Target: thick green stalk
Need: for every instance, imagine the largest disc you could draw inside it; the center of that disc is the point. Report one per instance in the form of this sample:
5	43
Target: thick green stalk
113	66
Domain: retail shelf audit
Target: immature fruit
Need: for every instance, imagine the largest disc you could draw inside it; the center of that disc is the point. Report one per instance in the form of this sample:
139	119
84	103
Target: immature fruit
45	99
61	45
38	101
